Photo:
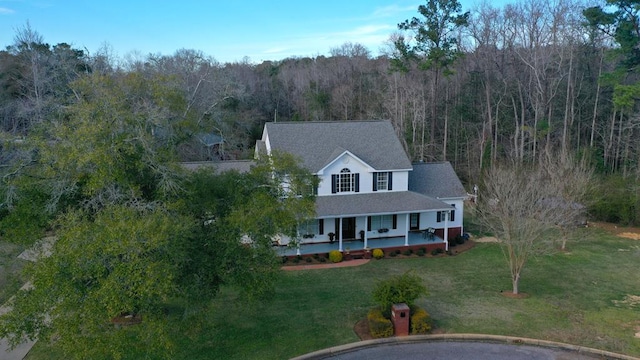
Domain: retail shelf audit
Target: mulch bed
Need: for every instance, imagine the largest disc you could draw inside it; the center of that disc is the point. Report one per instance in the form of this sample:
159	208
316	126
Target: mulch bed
311	260
510	294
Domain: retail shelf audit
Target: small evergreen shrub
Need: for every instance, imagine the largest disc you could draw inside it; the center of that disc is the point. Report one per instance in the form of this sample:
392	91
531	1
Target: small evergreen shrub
459	240
335	256
408	252
308	259
378	253
420	321
421	251
379	326
393	254
397	289
285	259
322	259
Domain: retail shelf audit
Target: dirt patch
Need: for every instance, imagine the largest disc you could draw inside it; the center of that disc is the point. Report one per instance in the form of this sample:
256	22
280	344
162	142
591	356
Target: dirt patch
625	232
628	235
628	301
362	330
486	239
510	294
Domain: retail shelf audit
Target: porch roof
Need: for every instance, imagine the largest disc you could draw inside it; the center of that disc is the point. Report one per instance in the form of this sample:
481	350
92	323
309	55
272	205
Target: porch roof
377	203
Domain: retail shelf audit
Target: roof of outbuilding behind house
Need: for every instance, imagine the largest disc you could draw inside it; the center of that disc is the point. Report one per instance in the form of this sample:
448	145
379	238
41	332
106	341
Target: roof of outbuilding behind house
437	179
318	143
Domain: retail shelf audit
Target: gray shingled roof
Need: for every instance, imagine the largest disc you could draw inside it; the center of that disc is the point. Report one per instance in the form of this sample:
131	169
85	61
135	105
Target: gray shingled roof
241	166
376	203
437	180
317	143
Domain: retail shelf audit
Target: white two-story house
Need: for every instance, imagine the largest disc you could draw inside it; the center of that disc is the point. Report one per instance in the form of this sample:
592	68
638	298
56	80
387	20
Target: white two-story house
370	195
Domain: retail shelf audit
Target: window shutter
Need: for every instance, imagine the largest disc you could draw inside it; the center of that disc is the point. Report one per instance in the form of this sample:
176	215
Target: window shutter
390	181
334	184
438	216
368	223
453	215
320	226
375	181
395	221
357	182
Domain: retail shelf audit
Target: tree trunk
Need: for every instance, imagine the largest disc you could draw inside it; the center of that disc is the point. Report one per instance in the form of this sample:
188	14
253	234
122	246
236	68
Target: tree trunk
595	104
515	281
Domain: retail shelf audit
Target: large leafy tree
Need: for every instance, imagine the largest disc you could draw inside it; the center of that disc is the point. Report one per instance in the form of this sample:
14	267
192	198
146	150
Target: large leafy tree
620	20
136	235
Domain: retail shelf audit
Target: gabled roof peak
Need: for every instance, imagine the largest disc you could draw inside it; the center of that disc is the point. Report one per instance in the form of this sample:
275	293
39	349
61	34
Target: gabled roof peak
317	142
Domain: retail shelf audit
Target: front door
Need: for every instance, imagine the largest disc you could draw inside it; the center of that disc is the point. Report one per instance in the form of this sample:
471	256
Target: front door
348	228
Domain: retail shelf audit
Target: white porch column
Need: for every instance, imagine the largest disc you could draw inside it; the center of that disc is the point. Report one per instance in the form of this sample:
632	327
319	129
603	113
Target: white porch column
406	230
366	236
446	230
339	234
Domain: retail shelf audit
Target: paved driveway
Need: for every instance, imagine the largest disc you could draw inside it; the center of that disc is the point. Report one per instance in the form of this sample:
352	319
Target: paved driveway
460	351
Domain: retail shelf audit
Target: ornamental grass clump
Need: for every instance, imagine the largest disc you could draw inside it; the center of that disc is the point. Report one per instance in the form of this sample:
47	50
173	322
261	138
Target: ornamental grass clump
379	326
420	321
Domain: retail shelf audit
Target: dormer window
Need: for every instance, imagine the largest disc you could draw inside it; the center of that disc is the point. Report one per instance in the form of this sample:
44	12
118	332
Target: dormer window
346	181
382	181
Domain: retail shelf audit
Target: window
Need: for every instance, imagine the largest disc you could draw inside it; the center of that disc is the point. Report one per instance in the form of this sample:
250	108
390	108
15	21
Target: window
310	227
346	181
414	221
382	181
382	222
442	215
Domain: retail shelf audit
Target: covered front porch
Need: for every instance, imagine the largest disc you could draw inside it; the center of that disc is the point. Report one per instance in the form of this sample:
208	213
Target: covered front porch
413	239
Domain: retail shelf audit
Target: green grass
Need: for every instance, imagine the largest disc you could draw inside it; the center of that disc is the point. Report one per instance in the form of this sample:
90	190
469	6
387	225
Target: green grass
572	299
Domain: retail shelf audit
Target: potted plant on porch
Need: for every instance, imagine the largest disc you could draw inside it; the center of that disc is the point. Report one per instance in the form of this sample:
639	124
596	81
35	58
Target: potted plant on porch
332	236
347	253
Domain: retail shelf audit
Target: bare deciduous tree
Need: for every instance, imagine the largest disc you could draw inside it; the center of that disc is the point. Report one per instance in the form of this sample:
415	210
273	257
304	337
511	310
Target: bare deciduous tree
523	207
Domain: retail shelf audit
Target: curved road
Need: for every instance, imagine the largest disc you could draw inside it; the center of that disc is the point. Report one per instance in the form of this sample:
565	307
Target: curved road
442	350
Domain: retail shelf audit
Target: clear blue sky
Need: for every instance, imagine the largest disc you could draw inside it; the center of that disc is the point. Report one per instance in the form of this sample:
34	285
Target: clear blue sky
228	30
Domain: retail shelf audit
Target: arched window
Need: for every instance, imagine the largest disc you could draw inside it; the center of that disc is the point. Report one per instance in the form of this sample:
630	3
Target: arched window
346	181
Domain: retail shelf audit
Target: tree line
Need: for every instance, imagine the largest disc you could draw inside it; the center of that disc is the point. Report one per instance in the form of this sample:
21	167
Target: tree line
517	81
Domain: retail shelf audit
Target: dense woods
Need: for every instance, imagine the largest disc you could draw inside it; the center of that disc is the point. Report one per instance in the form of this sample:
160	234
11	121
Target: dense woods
530	78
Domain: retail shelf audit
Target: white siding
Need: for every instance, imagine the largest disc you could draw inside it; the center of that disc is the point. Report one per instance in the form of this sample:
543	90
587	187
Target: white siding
400	181
346	161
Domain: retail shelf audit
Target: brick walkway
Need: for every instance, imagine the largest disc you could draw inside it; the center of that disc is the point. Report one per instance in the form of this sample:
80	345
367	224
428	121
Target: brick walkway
348	263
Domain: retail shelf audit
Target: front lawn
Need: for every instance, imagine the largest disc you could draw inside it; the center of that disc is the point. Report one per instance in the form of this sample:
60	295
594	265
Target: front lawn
579	297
